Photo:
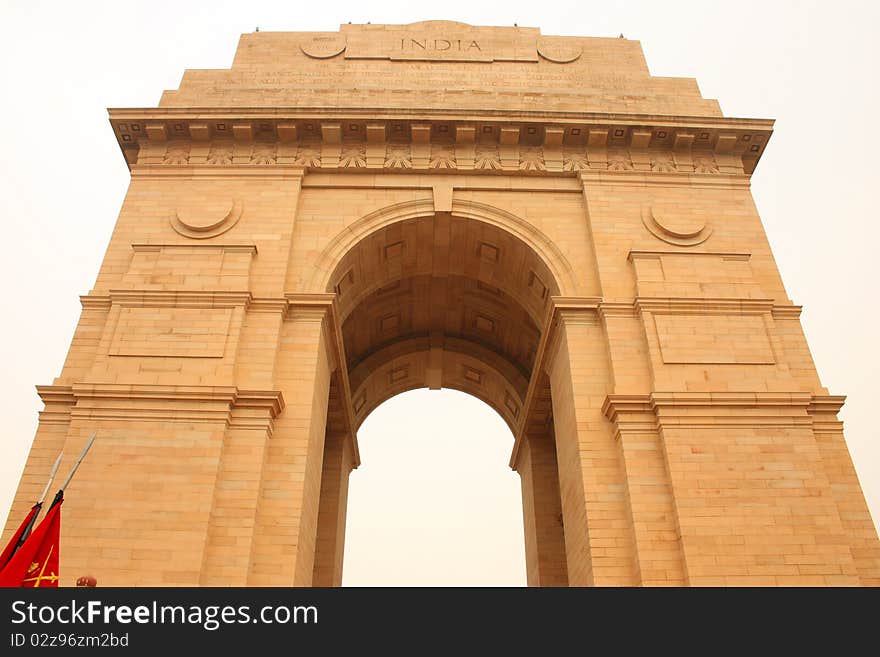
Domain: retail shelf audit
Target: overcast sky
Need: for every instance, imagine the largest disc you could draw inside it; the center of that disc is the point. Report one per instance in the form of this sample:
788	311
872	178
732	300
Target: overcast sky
811	66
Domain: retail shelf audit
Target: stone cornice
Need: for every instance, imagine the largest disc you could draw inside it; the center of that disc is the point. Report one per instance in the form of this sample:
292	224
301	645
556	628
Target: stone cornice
708	410
95	302
297	114
157	141
635	254
256	410
271	401
731	399
58	400
268	305
826	403
173	298
122	391
786	312
182	298
141	247
616	405
209	172
684	305
161	403
698	306
56	394
322	300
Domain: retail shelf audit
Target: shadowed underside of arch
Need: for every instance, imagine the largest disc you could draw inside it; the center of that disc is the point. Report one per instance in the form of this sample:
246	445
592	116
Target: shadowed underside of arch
546	250
442	301
447	300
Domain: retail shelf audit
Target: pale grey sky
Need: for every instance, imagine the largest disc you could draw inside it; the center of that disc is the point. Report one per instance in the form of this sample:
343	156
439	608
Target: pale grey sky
809	65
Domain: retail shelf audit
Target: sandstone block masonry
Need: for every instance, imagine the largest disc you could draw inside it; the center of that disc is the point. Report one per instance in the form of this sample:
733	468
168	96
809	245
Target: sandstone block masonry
534	220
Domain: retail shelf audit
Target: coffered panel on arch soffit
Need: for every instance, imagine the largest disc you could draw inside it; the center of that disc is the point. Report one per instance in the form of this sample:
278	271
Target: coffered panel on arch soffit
442	280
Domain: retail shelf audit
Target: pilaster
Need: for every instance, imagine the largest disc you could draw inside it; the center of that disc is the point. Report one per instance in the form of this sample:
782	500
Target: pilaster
283	549
330	540
598	535
542	511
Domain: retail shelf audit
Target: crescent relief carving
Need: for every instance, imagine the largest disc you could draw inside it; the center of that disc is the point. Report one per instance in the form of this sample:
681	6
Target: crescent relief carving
675	228
204	223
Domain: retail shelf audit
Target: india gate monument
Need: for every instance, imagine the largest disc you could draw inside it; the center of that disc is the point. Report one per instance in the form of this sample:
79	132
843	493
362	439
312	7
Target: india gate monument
533	220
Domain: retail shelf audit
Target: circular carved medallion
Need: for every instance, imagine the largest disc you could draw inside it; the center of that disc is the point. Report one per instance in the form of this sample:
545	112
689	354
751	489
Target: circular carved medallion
324	45
206	222
675	227
560	51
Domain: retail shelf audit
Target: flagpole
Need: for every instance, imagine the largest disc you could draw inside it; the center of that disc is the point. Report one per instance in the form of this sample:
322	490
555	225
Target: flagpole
85	450
79	460
39	505
51	478
58	496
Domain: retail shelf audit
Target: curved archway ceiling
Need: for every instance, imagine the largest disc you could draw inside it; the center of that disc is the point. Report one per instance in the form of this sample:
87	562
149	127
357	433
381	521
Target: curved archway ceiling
442	301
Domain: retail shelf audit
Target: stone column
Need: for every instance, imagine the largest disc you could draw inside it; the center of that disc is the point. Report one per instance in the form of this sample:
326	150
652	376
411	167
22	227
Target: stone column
243	452
598	539
330	539
753	501
655	531
854	514
283	550
542	511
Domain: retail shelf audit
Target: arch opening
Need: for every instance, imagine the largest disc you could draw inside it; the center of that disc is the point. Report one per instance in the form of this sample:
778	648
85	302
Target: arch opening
434	503
445	301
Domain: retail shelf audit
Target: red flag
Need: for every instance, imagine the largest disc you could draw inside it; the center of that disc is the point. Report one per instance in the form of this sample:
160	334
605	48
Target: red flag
16	537
35	564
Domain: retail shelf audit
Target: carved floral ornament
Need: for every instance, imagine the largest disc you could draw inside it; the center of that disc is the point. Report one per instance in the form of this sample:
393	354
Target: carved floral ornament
484	156
469	148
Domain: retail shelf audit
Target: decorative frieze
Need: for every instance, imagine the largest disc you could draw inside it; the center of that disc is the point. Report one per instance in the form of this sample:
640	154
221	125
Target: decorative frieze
535	149
485	156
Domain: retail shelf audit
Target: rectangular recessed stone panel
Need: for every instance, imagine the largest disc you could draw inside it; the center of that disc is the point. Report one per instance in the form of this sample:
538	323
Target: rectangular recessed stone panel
454	43
473	375
389	323
345	282
537	285
187	332
398	374
719	339
394	250
484	324
706	275
488	252
189	267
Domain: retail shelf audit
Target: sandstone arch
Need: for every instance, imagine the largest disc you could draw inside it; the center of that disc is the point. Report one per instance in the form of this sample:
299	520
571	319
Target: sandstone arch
544	247
406	215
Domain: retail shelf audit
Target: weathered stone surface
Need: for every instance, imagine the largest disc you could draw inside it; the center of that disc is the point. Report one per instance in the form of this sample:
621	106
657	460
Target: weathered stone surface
534	220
